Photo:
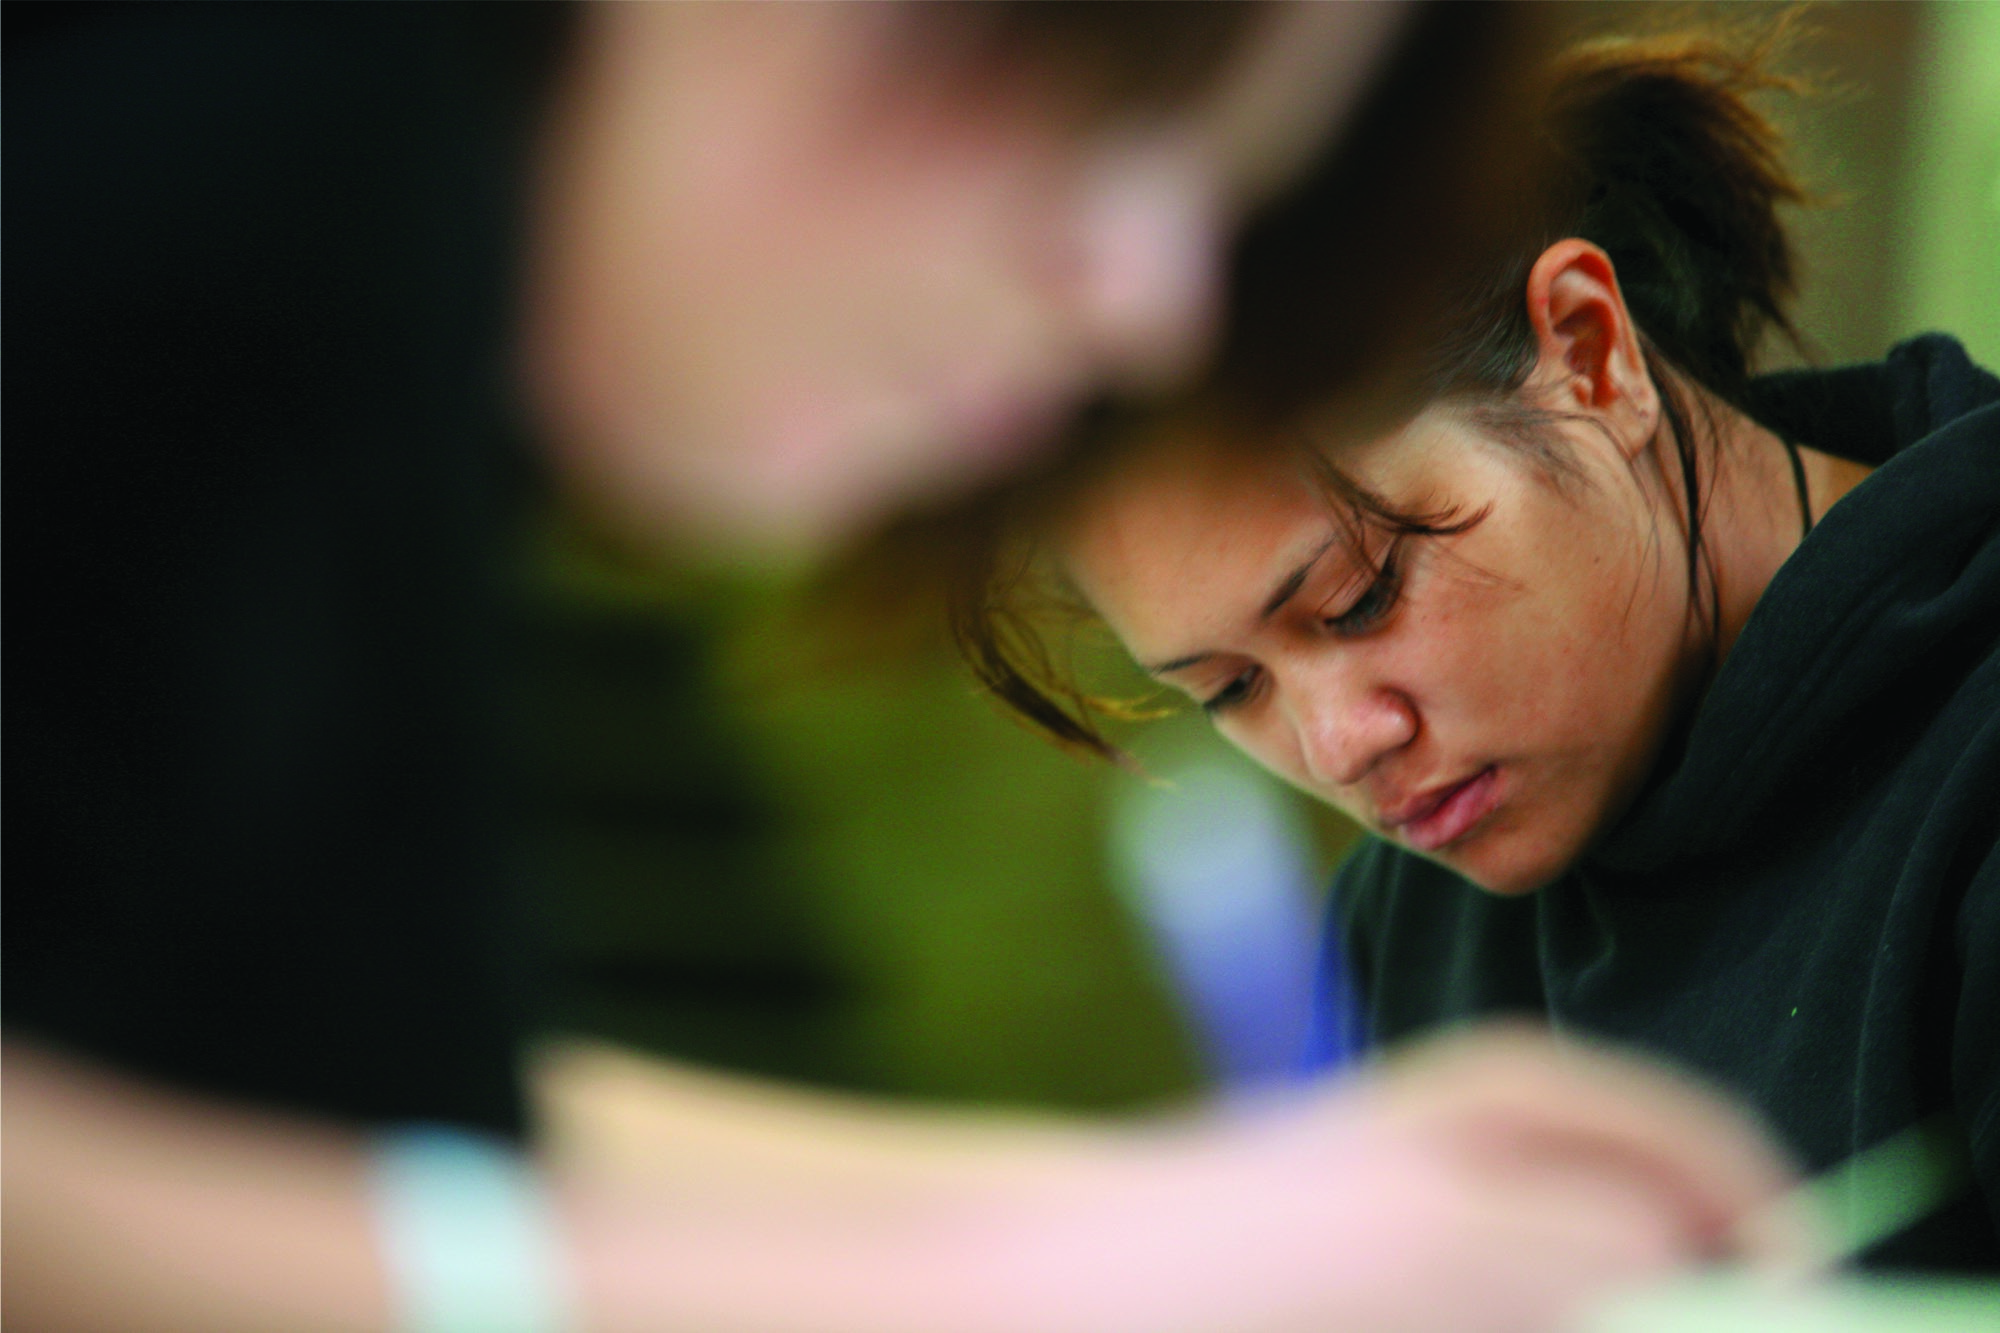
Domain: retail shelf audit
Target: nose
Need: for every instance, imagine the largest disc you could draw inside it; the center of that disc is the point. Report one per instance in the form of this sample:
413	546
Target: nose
1343	733
1150	235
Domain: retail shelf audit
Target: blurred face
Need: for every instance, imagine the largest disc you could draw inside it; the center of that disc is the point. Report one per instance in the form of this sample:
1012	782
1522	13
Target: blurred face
1490	700
792	272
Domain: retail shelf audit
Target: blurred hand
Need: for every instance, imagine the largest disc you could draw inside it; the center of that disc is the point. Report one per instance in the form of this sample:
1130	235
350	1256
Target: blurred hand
1494	1182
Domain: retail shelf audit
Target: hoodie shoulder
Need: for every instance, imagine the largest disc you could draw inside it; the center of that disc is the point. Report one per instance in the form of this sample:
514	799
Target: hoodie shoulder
1873	411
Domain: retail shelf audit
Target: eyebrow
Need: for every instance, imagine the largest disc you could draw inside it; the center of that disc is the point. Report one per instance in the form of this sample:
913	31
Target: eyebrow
1288	588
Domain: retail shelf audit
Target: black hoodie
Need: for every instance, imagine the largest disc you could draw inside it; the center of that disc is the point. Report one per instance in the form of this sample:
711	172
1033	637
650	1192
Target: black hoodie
1804	905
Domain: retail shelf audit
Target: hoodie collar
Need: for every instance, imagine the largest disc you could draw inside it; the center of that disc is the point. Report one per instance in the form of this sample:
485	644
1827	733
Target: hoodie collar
1908	558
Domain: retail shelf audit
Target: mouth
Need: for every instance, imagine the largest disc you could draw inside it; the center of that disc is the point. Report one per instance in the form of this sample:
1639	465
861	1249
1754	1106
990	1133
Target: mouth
1441	817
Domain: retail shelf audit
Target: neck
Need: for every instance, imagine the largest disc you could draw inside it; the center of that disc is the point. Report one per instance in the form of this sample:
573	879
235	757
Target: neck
1752	520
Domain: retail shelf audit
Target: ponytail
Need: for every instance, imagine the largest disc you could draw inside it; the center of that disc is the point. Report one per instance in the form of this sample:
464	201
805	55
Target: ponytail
1655	153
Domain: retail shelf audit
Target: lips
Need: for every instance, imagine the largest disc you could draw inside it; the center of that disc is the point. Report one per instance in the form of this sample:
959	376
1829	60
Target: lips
1440	817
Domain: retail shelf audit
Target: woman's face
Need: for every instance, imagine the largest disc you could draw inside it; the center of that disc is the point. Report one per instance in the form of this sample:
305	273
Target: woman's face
1490	700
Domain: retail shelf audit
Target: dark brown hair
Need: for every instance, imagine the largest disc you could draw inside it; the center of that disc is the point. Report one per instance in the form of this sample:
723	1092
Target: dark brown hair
1649	148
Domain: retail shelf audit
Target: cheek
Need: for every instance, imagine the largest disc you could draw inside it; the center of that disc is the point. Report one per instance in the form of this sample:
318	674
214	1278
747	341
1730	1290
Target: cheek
1577	690
1500	669
1572	628
1619	648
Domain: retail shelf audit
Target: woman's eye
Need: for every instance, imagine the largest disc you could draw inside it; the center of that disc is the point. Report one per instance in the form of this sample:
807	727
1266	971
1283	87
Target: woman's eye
1232	694
1376	601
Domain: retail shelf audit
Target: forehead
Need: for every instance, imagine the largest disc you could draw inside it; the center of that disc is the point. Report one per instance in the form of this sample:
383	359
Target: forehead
1188	538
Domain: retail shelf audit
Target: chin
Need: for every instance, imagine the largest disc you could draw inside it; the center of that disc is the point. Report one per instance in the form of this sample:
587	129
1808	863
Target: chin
1503	876
1512	888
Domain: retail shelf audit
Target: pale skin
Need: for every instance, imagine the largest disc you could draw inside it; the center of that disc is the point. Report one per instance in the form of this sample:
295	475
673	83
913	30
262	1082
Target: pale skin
1496	698
1495	1185
776	294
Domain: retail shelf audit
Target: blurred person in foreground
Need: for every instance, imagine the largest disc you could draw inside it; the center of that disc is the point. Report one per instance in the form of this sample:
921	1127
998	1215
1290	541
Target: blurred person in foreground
300	302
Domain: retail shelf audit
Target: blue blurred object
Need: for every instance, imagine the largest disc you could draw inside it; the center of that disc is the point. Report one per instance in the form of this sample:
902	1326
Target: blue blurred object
1335	1034
1214	859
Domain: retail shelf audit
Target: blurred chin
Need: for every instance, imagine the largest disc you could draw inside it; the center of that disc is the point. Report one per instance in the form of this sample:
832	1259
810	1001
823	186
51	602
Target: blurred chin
795	481
823	480
792	506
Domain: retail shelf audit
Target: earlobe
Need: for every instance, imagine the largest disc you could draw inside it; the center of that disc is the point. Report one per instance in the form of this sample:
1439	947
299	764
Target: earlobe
1588	356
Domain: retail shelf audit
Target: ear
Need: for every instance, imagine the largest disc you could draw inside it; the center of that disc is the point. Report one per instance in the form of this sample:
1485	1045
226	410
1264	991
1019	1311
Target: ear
1588	357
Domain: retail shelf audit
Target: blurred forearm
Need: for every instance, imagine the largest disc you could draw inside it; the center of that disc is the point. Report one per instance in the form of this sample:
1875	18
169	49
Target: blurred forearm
133	1208
1496	1185
712	1203
129	1208
608	1113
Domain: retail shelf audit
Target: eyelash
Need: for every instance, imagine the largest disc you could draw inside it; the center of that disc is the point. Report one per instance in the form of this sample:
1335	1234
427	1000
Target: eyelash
1377	600
1364	614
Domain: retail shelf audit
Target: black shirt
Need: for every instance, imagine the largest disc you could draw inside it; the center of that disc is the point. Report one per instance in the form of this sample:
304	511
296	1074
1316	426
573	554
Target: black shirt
1805	905
261	471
